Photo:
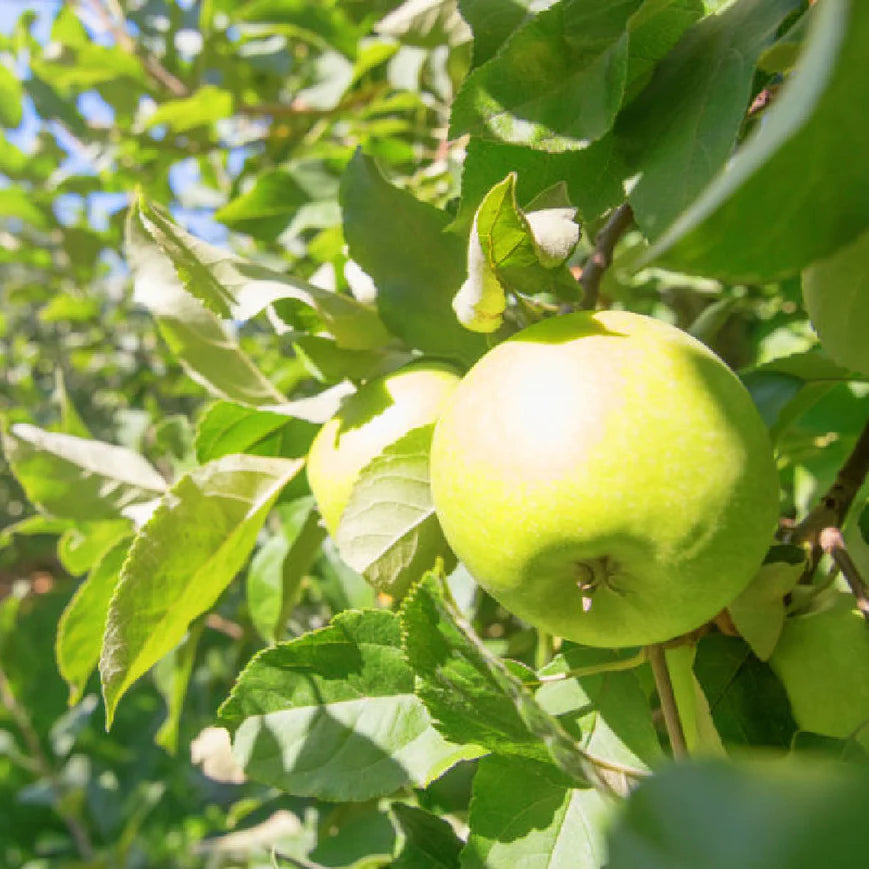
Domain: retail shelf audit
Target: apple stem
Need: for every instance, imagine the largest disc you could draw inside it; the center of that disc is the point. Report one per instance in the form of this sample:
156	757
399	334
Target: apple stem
833	544
664	687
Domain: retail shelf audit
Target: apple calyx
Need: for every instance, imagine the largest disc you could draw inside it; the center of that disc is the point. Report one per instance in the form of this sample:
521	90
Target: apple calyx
590	575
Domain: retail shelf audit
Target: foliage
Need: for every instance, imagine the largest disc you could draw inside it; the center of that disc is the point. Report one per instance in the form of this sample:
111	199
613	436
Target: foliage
217	220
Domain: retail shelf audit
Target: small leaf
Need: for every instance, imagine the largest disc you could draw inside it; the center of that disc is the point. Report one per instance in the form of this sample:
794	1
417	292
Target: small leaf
275	573
332	714
228	428
172	678
80	629
525	813
429	841
759	612
206	106
83	545
10	98
77	478
182	560
764	217
695	714
389	531
836	294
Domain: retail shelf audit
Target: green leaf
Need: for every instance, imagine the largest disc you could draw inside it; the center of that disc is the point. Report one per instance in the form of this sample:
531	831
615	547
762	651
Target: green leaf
80	629
492	21
18	203
206	106
194	334
329	363
429	841
332	714
227	427
417	267
608	713
10	98
836	295
863	523
558	81
759	611
232	287
470	693
77	478
275	574
525	813
182	559
593	175
682	128
172	678
748	703
764	216
389	531
81	546
764	815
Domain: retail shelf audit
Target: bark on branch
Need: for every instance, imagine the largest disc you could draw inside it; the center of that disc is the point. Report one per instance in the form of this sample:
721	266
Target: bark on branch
602	256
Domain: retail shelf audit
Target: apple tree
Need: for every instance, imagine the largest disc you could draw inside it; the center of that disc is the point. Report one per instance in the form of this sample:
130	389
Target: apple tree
462	408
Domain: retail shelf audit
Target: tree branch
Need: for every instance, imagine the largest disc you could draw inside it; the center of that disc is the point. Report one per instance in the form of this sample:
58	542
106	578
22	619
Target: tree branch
113	21
833	544
602	256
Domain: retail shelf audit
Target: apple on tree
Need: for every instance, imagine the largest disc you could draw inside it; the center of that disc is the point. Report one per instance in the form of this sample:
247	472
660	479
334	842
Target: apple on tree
381	412
605	477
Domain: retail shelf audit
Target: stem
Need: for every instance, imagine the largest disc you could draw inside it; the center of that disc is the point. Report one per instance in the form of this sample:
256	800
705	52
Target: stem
833	544
664	687
543	652
602	255
594	669
44	768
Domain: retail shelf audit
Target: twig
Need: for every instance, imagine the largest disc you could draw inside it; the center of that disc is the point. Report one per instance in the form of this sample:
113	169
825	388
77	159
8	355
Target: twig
114	24
594	669
834	506
602	255
832	542
664	686
44	768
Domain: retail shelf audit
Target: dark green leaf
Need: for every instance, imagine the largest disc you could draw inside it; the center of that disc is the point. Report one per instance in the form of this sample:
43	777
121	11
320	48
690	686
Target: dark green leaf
429	841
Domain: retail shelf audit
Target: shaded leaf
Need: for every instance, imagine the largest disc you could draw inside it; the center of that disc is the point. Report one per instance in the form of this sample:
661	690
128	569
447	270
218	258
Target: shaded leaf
429	841
764	216
332	714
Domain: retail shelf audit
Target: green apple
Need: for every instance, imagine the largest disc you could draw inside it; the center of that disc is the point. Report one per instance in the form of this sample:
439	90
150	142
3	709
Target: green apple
822	659
382	411
605	477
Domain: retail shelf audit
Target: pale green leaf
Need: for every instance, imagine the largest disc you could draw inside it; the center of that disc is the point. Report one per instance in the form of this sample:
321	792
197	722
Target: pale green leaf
701	736
183	558
389	531
333	714
77	478
10	98
206	106
172	679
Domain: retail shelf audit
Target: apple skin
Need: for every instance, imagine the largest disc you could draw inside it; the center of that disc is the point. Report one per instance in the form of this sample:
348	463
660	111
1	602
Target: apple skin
822	659
610	449
377	415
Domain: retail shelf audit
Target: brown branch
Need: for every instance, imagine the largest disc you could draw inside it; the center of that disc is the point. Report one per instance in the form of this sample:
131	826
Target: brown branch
602	256
114	23
833	507
664	687
833	544
43	767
